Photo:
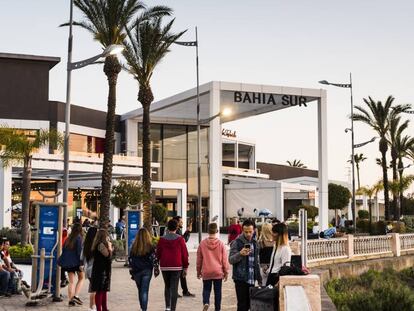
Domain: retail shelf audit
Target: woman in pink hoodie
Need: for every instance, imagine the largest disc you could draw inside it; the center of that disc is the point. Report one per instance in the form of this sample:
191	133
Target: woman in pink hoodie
212	266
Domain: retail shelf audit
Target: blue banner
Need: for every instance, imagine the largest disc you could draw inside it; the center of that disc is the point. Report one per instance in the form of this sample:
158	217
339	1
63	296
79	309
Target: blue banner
47	231
134	223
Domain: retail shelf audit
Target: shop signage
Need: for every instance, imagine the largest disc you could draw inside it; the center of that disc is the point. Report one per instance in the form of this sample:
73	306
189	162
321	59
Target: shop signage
228	133
269	99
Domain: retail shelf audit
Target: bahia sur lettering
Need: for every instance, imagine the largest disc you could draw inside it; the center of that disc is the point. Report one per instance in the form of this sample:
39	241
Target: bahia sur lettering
268	99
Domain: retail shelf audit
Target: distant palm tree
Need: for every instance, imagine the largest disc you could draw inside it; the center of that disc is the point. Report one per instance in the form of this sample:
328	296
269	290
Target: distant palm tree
369	192
400	186
296	163
358	158
149	42
107	20
377	116
403	146
17	147
394	133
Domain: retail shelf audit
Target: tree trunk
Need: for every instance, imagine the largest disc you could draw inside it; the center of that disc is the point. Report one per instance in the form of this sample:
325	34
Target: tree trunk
146	97
27	176
111	69
401	192
395	207
370	215
383	150
359	180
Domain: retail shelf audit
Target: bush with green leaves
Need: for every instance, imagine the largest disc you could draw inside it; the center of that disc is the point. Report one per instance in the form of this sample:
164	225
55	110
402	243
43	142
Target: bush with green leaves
373	291
312	211
160	213
19	251
363	214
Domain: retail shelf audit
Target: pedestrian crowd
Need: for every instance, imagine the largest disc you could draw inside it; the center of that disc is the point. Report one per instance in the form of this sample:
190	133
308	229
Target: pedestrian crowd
87	254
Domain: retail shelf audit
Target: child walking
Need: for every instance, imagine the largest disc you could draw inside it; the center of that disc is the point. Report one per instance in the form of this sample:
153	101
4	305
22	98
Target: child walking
212	266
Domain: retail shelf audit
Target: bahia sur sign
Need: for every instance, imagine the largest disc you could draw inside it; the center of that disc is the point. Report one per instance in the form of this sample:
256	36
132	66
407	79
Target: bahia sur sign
269	99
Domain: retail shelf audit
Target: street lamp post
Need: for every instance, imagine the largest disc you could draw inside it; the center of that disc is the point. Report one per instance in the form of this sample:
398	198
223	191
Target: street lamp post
349	85
110	50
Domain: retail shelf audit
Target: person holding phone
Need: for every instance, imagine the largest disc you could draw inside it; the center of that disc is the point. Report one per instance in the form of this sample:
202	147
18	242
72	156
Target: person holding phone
244	256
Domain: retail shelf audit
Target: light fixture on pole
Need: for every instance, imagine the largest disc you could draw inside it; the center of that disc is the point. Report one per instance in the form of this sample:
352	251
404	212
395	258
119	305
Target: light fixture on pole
349	85
110	50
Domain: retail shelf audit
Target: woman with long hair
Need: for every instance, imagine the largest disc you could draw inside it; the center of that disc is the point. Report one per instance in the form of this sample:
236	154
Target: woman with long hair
87	257
266	244
281	252
142	260
101	269
71	262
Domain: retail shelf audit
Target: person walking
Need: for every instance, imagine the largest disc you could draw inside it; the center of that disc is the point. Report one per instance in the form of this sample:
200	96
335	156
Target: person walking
142	260
212	266
266	244
173	257
281	253
234	230
70	261
244	256
101	269
186	236
87	257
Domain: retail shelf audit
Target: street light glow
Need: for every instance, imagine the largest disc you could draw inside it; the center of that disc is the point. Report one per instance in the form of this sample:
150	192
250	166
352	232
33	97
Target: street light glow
113	49
226	112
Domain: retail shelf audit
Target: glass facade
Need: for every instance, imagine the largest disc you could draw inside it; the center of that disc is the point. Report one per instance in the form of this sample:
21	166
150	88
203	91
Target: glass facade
245	156
238	155
174	147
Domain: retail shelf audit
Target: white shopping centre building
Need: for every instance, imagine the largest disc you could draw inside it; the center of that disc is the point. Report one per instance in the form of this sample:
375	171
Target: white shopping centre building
231	177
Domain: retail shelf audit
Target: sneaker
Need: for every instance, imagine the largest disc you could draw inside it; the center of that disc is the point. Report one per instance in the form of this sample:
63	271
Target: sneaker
72	303
188	294
205	308
77	300
64	283
26	291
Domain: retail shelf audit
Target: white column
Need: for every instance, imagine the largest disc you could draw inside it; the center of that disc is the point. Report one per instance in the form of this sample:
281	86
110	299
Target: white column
5	196
215	155
182	205
279	202
364	203
113	211
323	161
131	137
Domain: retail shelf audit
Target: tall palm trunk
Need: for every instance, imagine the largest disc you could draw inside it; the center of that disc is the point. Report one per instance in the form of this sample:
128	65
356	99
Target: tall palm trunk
370	214
383	149
395	206
146	97
359	180
111	69
401	194
27	177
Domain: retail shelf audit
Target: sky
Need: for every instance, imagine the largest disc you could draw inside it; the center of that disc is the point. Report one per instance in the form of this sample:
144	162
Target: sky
289	43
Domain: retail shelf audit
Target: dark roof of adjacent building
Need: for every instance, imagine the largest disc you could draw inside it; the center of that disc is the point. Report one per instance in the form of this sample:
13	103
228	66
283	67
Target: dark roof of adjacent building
51	60
278	171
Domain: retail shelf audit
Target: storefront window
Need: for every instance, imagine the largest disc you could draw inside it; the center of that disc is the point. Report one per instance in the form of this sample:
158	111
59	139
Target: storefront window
229	154
246	156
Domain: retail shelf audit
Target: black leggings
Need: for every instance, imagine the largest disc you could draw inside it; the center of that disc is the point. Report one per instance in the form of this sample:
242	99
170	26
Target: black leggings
171	279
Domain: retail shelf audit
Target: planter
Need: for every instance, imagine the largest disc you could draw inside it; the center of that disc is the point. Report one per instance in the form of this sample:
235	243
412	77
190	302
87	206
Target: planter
22	260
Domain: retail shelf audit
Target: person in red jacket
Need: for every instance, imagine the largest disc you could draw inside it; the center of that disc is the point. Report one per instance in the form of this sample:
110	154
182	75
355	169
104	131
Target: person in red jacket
173	258
234	229
212	266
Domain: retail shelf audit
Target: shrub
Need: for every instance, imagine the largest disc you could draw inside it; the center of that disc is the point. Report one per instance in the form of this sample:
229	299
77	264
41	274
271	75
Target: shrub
409	223
119	247
312	210
18	251
363	214
12	235
159	212
399	227
363	225
379	227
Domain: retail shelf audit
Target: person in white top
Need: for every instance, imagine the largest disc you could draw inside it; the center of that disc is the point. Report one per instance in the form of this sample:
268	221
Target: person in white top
281	253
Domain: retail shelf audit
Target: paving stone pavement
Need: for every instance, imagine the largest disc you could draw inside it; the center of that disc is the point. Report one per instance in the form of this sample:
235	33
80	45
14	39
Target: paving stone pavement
124	294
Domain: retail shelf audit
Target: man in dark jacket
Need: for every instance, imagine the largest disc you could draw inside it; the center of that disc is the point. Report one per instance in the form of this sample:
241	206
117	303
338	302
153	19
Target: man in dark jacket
244	256
186	237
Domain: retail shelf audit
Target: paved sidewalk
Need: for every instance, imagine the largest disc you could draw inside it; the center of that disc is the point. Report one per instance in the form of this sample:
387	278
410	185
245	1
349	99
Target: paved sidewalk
124	294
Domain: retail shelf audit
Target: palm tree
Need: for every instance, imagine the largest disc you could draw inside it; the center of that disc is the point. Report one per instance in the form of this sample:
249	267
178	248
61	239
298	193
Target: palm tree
149	42
377	116
395	131
403	146
399	186
369	192
16	147
296	163
358	158
107	20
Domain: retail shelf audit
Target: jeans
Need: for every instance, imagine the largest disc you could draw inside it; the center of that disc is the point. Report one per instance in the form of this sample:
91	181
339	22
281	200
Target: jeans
183	281
142	279
243	295
217	292
5	281
171	279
